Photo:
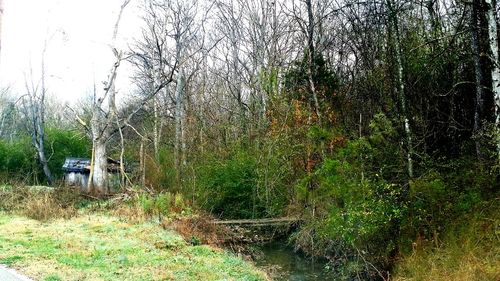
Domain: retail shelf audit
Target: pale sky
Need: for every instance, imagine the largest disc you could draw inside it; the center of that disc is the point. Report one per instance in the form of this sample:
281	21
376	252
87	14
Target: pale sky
78	34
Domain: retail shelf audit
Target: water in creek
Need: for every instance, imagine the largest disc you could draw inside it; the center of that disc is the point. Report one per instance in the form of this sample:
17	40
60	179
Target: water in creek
284	264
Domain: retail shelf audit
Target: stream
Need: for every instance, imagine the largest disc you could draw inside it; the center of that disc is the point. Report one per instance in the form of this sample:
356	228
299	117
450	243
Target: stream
283	263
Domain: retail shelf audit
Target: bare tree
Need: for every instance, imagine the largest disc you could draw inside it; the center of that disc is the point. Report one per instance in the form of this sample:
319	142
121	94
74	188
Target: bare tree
308	25
105	121
34	110
169	41
102	120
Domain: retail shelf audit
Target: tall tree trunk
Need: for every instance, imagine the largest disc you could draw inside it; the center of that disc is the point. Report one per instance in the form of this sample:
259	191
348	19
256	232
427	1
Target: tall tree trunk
157	118
236	83
35	109
495	69
478	71
41	125
156	130
396	44
44	162
266	7
435	24
100	132
101	123
180	142
100	175
99	163
142	160
40	147
311	69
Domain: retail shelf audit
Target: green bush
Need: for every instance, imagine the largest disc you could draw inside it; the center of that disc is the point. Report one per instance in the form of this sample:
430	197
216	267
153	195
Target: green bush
161	173
228	186
450	189
159	204
354	204
18	161
355	219
60	144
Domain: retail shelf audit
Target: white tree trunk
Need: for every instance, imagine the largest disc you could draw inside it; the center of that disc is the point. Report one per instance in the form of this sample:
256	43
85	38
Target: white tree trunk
396	43
102	123
98	182
311	69
495	69
100	176
40	106
44	163
34	107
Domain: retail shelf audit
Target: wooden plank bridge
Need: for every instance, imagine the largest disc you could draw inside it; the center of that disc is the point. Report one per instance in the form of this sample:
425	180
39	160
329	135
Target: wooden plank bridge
259	222
257	230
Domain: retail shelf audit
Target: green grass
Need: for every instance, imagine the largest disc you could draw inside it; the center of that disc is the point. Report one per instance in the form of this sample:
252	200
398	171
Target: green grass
469	250
101	247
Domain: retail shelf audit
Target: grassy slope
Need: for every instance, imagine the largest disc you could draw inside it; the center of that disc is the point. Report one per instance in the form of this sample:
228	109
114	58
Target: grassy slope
99	247
470	251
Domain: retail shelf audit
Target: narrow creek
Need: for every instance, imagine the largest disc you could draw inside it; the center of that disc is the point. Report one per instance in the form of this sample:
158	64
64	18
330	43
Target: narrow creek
283	263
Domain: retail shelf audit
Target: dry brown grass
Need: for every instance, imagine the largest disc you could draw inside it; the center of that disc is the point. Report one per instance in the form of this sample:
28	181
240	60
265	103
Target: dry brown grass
40	203
45	206
199	227
133	213
470	251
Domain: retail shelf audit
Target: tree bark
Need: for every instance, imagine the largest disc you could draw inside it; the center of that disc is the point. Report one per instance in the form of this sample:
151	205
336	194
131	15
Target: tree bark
478	72
435	24
142	160
100	177
495	69
102	123
156	130
311	70
99	168
180	142
396	44
34	109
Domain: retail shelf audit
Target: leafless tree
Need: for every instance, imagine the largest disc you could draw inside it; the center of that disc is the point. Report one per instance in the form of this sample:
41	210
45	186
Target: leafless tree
105	121
33	107
173	40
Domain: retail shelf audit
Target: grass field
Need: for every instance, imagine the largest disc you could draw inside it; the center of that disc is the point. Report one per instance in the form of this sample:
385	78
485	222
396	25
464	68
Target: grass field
103	247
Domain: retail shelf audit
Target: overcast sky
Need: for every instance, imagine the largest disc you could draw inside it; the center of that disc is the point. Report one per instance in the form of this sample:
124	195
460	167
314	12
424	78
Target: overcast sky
78	34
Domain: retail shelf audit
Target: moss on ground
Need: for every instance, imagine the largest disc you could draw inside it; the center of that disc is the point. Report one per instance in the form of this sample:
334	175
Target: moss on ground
101	247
